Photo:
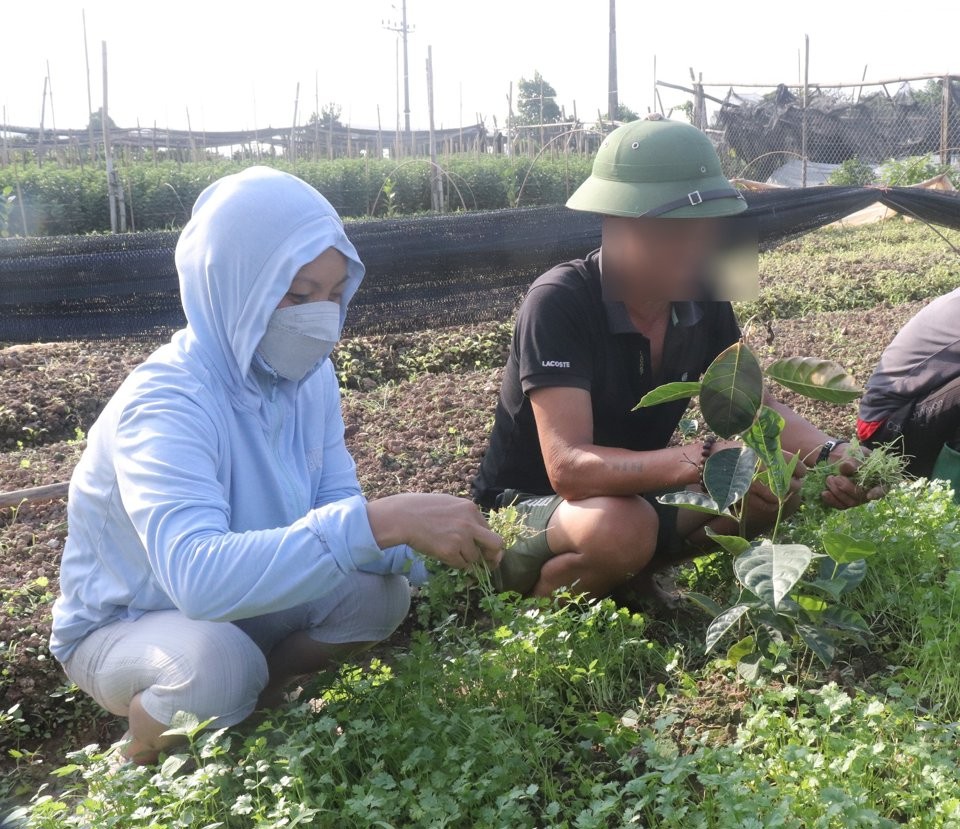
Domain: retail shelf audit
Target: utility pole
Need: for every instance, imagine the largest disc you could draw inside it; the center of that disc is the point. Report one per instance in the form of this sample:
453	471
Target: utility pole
403	29
613	105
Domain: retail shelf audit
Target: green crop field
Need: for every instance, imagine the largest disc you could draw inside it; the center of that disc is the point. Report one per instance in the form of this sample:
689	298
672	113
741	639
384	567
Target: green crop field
489	711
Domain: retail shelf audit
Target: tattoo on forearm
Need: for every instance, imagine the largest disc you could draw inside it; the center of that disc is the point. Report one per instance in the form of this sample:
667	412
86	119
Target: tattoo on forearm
631	467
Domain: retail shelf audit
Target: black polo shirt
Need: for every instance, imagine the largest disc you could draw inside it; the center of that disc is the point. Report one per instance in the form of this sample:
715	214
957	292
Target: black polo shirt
568	335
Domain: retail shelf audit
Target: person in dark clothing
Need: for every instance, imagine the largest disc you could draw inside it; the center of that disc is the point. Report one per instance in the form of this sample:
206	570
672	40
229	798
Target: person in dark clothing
592	337
913	397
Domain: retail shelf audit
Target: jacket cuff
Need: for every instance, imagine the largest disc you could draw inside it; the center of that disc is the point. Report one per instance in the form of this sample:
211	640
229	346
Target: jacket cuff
344	530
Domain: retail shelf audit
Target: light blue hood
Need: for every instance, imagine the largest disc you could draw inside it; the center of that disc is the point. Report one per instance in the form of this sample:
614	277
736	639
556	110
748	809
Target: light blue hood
209	484
248	236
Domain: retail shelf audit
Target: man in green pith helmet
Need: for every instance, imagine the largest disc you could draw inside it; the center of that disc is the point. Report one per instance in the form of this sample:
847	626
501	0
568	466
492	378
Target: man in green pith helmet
592	337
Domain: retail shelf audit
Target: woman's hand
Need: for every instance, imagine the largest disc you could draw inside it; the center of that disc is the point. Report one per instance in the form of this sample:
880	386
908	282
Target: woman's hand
449	529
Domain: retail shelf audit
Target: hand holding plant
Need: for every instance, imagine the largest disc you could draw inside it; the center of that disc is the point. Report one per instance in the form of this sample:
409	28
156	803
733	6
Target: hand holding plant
780	602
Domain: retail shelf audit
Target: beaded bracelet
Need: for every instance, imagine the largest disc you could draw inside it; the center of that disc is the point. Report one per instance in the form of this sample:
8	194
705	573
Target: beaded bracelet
708	443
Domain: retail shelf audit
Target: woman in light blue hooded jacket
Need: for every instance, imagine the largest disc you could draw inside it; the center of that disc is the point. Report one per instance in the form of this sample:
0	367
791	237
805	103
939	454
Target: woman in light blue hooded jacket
219	545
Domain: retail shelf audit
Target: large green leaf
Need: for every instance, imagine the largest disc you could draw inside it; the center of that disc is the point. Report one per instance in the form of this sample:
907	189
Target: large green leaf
818	379
733	544
833	588
731	391
668	393
845	549
728	474
818	641
772	570
739	650
723	623
848	576
763	437
749	666
845	619
811	604
696	501
703	602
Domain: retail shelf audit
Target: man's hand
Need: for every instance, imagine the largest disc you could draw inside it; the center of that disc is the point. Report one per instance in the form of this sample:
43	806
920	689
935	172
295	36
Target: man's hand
842	491
760	491
448	529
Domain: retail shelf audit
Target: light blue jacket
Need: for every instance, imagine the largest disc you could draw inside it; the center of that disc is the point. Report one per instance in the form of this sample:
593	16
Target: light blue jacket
210	484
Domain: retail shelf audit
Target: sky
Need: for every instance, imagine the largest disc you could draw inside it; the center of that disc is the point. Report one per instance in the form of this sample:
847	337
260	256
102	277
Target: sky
236	66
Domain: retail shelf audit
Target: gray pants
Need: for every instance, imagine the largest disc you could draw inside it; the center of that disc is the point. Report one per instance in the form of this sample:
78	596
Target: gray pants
218	669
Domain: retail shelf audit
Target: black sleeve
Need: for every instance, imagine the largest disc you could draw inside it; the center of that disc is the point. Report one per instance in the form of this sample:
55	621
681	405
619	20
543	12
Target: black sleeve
726	331
552	343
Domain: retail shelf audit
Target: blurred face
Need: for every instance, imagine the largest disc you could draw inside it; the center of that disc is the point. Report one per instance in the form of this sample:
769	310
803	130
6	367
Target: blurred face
657	259
323	279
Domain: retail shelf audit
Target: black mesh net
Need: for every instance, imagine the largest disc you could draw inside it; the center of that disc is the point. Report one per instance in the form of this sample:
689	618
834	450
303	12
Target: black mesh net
422	272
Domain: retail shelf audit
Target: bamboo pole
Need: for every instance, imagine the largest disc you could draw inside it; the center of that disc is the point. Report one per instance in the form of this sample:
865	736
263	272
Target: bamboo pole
826	85
860	90
86	56
685	89
293	129
316	116
945	122
613	93
510	118
43	112
5	157
48	492
655	90
193	143
806	100
436	183
53	114
330	136
106	146
379	135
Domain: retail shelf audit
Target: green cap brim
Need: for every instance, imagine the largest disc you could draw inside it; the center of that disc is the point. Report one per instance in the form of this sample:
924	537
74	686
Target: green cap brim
632	199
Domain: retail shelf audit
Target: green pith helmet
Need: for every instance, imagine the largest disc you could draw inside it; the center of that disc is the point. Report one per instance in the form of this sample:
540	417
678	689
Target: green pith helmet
657	169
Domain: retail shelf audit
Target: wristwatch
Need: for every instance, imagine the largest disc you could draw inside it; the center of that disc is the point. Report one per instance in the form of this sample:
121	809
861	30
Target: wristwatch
828	448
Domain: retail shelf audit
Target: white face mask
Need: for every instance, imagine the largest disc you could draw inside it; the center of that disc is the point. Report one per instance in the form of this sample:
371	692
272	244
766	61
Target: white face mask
299	337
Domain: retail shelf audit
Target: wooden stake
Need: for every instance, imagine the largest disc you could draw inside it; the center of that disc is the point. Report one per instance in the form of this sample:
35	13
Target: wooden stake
53	115
945	122
106	146
5	158
436	183
193	144
86	56
613	104
43	111
49	492
293	129
316	122
806	100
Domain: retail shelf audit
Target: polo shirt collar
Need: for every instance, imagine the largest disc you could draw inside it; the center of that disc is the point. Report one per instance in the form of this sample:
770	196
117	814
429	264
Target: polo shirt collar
684	314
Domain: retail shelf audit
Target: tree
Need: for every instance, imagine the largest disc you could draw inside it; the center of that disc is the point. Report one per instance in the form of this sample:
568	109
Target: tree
534	94
329	116
625	114
686	108
96	122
